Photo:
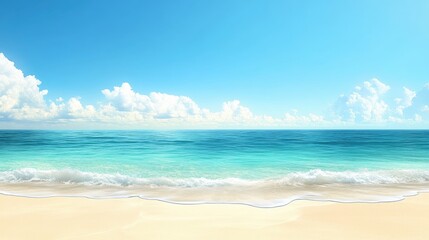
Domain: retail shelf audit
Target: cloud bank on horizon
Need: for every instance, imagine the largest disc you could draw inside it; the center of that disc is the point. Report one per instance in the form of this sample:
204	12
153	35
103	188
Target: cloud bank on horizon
24	105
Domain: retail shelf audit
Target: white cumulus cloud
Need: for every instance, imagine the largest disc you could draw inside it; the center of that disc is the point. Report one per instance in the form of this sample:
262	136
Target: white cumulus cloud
20	96
22	100
365	103
156	105
406	101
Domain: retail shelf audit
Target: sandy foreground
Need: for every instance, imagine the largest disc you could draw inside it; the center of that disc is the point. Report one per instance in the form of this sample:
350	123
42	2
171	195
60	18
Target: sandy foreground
80	218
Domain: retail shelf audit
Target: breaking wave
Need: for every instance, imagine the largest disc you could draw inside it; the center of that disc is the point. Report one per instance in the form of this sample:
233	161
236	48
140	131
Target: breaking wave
307	178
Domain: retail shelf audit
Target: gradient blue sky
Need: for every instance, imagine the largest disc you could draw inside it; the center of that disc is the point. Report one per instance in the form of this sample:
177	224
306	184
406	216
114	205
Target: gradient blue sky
274	56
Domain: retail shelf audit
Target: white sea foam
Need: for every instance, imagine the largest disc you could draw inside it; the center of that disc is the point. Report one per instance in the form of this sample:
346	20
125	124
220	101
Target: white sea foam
320	177
317	185
70	176
308	178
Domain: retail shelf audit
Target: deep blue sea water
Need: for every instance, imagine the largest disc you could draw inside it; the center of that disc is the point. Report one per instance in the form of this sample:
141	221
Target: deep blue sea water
258	167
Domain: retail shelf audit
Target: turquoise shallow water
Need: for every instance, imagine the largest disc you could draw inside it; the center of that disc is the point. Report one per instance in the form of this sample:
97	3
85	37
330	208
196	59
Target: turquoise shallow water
274	161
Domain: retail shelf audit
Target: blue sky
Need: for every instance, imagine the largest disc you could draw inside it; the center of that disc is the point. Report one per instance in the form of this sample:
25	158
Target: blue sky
274	57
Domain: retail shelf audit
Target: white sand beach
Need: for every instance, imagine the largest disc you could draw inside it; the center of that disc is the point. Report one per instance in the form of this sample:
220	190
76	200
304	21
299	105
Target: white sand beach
81	218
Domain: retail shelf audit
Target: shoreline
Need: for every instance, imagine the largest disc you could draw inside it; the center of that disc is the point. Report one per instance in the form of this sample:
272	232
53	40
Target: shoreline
132	218
393	199
270	196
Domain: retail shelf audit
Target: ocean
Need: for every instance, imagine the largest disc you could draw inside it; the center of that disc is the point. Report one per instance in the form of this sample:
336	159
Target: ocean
262	168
